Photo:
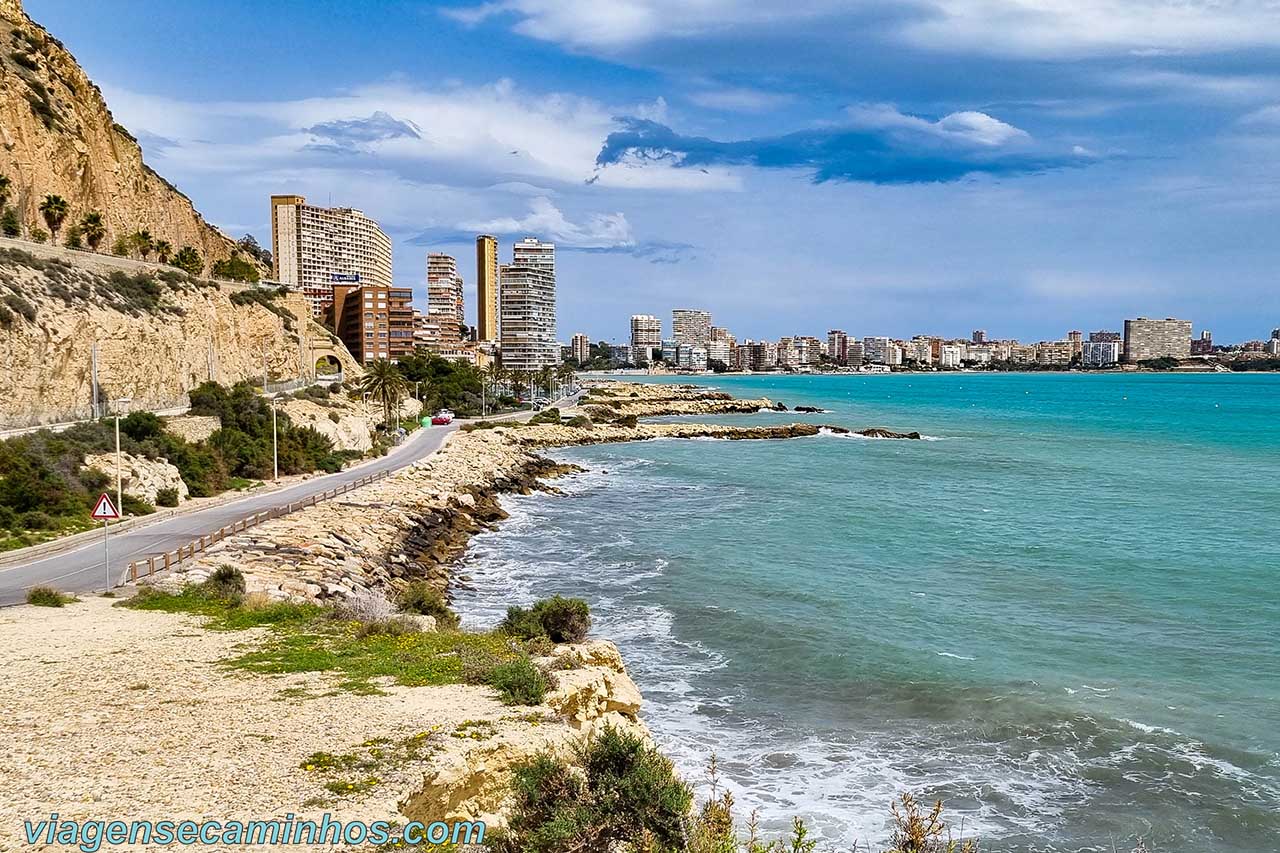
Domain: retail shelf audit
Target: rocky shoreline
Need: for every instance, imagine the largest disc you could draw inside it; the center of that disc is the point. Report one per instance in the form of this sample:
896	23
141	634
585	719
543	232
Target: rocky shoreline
413	525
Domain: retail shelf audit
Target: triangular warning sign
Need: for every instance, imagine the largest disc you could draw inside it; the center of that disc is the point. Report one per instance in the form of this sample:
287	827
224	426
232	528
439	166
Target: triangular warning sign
104	509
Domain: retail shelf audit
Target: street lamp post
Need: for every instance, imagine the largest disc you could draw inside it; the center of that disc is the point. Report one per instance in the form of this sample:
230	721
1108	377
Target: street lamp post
275	443
123	401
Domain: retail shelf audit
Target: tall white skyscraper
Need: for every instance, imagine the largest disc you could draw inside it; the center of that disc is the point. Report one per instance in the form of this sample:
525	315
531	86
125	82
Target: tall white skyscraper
646	338
314	248
691	326
528	307
443	322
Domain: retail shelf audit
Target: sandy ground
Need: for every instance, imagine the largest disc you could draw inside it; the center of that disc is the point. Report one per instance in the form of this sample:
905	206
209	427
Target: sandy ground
109	713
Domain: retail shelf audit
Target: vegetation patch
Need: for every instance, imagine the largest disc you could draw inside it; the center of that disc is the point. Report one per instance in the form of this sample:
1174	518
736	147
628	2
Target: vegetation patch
422	598
47	596
559	619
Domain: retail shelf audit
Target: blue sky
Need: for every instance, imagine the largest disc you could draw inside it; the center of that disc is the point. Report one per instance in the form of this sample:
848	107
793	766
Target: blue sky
1023	166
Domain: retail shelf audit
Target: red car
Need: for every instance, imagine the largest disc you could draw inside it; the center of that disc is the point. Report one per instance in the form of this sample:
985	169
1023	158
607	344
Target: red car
442	418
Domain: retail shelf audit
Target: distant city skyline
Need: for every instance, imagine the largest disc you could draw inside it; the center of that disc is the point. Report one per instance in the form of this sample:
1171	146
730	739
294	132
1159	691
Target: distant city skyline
1023	167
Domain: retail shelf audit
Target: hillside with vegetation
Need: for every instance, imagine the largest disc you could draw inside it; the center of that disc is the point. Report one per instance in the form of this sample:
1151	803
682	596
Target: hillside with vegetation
71	174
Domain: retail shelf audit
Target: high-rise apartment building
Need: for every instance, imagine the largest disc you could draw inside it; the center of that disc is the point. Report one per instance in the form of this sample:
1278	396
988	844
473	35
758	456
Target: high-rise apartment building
646	338
487	289
979	336
950	356
877	350
1275	334
838	346
1203	345
374	322
1103	336
1100	353
315	248
527	302
691	326
533	254
855	356
581	348
442	327
1147	339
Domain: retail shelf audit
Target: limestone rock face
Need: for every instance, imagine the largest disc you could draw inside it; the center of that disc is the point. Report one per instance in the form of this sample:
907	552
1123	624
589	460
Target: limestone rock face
471	780
143	478
352	430
193	428
153	345
57	136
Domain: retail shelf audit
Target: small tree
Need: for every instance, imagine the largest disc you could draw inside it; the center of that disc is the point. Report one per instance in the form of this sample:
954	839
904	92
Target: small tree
5	185
54	209
39	235
9	223
163	250
122	246
189	261
93	228
74	237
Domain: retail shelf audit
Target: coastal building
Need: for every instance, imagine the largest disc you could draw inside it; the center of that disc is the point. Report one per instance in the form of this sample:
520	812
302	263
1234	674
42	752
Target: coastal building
720	333
1100	353
1075	336
691	357
315	248
646	338
1273	346
1148	339
487	289
374	322
721	351
950	356
876	350
443	327
920	350
855	354
977	353
580	348
691	326
669	348
527	302
619	354
838	346
1102	336
1055	353
979	336
756	355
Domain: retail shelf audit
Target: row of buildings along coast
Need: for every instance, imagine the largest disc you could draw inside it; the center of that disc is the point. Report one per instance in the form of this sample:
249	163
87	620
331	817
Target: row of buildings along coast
697	344
341	260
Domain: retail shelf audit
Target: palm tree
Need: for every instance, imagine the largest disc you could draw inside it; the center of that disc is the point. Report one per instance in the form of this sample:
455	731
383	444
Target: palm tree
5	184
384	382
565	373
93	228
143	242
55	210
544	376
163	250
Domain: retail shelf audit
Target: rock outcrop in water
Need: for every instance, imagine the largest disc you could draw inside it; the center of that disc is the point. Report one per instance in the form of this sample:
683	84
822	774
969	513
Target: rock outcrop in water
881	432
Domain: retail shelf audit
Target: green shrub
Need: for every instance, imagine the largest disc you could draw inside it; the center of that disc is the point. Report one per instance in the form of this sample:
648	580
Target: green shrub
135	506
8	518
226	583
622	793
546	416
47	596
522	623
422	598
38	520
563	620
167	497
581	421
519	682
141	425
393	627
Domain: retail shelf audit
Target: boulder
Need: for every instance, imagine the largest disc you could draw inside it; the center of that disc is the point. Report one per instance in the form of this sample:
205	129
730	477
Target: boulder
142	478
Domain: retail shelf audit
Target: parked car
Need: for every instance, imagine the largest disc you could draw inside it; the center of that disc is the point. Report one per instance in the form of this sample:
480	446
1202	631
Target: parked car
442	418
541	403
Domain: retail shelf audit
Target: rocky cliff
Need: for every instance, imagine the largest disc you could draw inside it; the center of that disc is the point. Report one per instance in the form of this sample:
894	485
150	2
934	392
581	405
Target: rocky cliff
57	136
158	334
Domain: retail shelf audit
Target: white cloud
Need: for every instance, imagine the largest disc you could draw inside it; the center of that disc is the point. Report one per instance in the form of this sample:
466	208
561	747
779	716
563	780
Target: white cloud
1216	86
478	134
740	99
1032	28
966	126
600	230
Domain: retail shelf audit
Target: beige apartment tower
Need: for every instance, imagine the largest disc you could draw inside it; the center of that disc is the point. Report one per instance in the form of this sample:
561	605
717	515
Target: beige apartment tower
487	285
1147	339
314	248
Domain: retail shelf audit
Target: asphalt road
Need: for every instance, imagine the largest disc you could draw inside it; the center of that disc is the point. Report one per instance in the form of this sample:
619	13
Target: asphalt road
83	568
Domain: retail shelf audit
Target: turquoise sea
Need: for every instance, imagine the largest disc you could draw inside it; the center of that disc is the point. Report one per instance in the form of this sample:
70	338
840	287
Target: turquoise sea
1061	613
